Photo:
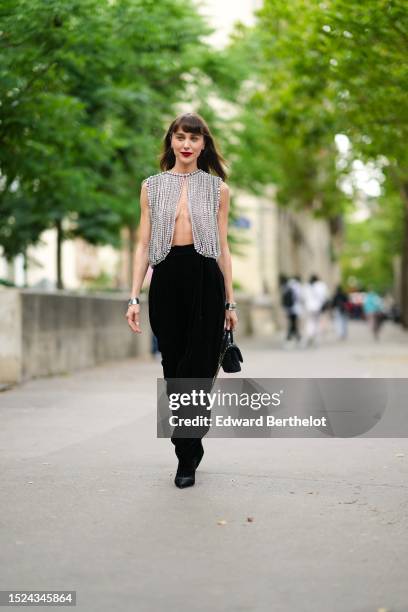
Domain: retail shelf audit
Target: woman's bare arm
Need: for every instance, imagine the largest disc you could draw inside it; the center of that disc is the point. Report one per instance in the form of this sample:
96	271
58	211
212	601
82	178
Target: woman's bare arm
141	258
224	260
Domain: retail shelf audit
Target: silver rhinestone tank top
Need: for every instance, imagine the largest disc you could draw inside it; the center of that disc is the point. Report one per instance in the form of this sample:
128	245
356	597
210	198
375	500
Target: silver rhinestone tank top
203	197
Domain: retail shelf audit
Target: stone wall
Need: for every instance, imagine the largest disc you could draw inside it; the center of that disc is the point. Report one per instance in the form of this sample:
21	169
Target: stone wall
42	333
51	333
10	335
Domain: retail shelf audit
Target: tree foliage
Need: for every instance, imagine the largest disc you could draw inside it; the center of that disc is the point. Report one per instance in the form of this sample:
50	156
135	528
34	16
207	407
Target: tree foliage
86	89
320	68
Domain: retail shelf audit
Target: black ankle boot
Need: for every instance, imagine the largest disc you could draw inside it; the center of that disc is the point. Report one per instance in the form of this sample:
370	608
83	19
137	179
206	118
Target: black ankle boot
185	476
200	453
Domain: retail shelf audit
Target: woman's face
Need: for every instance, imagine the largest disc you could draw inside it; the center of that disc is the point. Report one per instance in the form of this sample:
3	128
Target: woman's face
187	146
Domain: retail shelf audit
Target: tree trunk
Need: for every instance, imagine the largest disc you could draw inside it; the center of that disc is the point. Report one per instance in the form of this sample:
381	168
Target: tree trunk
11	273
404	260
58	225
25	267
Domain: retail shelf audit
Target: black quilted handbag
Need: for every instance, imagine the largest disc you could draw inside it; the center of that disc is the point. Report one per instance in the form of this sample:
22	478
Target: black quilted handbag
230	355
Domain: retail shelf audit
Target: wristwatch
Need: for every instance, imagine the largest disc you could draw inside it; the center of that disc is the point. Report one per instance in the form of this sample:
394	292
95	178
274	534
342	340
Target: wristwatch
133	301
230	306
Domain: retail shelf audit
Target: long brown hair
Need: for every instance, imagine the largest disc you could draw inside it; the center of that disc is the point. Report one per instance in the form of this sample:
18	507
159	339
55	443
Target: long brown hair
209	158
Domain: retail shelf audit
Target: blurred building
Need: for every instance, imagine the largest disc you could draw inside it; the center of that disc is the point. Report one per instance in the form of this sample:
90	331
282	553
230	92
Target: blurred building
307	246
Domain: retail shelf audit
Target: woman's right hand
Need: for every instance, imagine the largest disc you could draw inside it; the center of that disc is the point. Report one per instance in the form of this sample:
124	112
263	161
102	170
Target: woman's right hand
133	318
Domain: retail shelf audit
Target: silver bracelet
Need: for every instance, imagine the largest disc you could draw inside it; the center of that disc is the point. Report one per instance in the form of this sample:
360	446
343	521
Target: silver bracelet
133	301
230	306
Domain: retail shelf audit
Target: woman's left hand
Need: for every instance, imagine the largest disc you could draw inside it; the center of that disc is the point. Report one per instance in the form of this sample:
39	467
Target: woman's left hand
231	319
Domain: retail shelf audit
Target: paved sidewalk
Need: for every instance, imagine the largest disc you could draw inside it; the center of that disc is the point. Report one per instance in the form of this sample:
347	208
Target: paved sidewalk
88	501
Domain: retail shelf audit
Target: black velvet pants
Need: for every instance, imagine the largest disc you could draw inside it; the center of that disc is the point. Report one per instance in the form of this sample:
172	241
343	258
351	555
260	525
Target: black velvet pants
187	316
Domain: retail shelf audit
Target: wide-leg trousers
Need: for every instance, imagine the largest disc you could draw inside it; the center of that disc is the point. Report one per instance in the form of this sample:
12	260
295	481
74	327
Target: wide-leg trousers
187	316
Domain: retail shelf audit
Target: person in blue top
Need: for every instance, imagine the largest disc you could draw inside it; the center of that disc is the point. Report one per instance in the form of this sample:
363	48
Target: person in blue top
374	311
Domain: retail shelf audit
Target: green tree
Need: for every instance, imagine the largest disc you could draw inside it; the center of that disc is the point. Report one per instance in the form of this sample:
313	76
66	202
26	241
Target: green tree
339	67
284	134
87	87
369	251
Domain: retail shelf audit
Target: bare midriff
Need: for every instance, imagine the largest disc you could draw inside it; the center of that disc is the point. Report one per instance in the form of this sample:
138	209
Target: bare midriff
183	232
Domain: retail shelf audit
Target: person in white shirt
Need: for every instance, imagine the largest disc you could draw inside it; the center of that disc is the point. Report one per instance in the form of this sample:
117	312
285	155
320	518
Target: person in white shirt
315	295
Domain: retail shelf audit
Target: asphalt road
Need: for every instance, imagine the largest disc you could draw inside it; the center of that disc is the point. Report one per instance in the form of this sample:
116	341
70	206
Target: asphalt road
88	501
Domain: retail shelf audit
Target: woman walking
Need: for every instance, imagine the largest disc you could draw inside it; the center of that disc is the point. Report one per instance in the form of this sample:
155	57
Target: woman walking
183	236
373	309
